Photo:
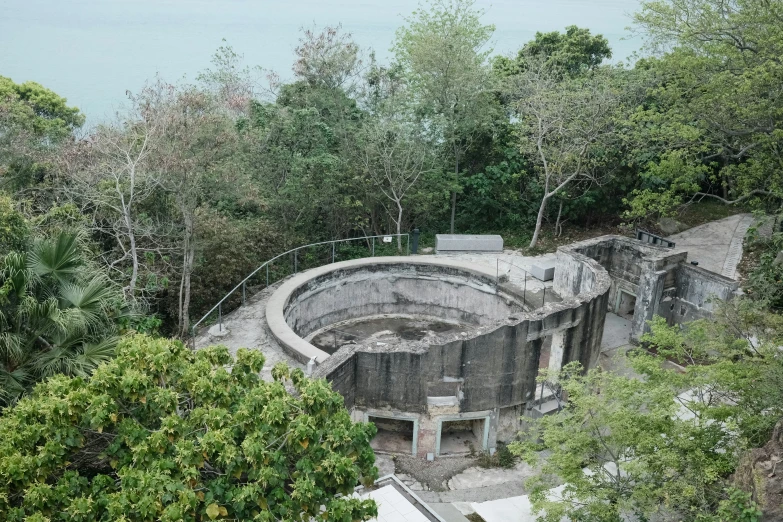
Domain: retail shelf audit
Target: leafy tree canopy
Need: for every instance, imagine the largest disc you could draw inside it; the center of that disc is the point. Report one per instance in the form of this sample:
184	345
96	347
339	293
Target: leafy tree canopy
660	442
163	433
573	52
13	226
717	106
38	109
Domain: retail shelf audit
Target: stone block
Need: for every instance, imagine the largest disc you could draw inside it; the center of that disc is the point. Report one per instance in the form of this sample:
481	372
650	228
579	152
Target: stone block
543	270
468	243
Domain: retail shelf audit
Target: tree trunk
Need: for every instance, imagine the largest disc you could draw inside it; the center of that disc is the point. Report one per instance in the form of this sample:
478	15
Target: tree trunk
399	220
453	210
454	193
539	220
188	256
133	252
558	230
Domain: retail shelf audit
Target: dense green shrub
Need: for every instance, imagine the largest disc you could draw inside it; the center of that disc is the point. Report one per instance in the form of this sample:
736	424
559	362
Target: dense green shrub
163	433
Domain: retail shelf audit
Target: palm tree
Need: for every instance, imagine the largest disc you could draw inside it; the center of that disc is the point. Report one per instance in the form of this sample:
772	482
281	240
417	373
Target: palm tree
57	315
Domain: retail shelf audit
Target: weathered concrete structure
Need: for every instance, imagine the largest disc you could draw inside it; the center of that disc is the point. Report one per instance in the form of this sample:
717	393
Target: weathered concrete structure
649	280
468	386
477	382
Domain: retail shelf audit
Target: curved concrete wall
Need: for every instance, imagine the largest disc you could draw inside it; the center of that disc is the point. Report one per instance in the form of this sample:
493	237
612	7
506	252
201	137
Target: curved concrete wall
366	289
441	288
487	372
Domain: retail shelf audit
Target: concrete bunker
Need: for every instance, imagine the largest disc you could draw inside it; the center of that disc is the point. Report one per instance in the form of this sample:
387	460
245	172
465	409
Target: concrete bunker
649	280
441	392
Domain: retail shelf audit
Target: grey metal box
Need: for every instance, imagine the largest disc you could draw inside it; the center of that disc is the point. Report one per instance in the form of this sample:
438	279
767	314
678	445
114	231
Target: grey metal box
468	243
543	271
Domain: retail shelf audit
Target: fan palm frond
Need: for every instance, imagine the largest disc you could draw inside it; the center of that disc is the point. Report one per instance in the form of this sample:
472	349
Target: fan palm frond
11	347
60	258
13	384
41	317
15	274
57	315
75	359
93	355
51	362
90	300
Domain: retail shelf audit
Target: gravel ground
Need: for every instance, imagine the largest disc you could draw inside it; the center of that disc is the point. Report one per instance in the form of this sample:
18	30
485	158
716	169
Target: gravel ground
436	474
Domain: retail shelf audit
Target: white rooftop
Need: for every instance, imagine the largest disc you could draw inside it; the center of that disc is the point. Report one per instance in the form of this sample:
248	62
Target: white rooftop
393	506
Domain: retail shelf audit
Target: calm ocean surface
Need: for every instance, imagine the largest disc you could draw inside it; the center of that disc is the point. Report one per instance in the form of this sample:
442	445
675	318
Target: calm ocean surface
92	51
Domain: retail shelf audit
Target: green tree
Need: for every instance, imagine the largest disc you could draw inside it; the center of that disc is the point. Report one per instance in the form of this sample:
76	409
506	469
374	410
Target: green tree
566	127
163	433
57	315
33	121
717	106
663	442
14	232
443	51
574	52
38	109
115	181
396	154
620	450
196	145
321	166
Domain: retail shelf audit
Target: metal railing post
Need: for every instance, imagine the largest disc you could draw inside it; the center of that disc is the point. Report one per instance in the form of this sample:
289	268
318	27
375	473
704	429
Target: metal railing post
244	293
373	247
220	317
543	300
296	260
524	292
267	275
333	244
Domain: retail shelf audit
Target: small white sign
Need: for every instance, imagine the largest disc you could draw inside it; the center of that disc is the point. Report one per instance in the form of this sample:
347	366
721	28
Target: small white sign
387	239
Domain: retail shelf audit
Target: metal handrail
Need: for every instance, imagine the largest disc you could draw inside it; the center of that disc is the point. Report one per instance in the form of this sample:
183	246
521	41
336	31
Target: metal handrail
243	283
527	274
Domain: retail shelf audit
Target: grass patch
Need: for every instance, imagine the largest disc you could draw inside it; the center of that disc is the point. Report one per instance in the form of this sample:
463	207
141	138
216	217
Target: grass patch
707	210
503	458
475	517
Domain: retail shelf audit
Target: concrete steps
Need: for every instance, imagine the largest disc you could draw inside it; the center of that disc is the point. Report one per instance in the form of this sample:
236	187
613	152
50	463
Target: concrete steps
547	408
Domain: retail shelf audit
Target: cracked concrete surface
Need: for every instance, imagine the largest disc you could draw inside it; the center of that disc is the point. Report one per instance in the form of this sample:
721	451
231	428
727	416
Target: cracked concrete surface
247	329
717	245
510	264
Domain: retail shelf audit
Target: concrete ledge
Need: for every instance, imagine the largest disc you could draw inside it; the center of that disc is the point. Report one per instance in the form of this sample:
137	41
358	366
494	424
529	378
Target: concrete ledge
468	243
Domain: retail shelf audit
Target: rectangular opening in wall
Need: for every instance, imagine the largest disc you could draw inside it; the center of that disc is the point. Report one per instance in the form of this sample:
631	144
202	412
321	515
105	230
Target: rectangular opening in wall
394	435
461	437
626	303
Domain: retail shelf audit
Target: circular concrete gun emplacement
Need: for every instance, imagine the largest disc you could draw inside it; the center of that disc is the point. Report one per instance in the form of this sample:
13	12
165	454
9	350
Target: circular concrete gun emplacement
439	353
